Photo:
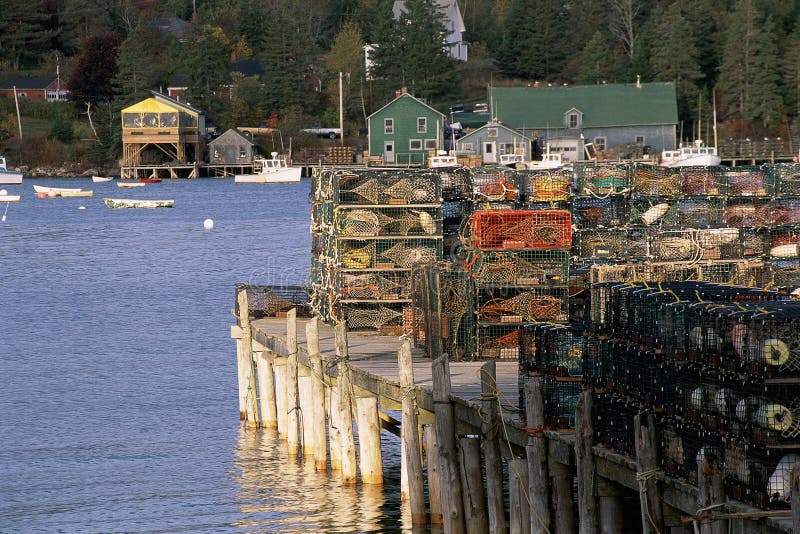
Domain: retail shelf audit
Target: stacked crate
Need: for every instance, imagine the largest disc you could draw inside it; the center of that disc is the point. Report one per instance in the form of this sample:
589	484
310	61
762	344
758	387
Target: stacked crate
383	223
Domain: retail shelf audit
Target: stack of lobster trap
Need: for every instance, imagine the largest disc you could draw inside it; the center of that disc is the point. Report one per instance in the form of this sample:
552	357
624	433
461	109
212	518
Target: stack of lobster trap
719	366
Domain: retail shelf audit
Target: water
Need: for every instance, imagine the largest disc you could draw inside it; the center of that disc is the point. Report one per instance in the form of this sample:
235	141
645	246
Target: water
118	402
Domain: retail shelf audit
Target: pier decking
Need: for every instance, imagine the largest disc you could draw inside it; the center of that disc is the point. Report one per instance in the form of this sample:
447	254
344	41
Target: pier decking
372	362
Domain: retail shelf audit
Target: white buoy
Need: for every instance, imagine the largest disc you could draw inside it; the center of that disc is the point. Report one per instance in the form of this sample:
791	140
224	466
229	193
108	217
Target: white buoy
208	224
3	192
82	208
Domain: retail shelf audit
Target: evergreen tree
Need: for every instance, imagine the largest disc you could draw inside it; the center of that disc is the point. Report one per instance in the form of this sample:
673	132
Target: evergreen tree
596	61
81	18
138	65
766	103
206	60
25	35
702	17
250	19
246	103
674	56
534	40
94	69
791	73
347	56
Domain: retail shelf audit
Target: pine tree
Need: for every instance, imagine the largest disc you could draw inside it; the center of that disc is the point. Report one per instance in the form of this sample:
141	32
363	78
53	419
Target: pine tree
81	18
534	40
766	103
791	73
596	61
25	34
138	65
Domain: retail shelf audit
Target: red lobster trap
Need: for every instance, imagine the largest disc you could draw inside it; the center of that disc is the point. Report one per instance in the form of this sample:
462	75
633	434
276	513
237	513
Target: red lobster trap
521	229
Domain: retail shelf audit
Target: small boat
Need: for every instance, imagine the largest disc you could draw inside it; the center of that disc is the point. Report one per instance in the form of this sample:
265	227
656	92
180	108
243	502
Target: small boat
9	198
273	170
8	177
695	155
550	160
55	191
150	180
511	160
81	193
130	184
137	203
442	160
101	179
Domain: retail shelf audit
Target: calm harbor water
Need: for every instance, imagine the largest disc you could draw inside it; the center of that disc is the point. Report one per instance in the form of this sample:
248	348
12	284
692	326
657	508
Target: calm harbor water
118	403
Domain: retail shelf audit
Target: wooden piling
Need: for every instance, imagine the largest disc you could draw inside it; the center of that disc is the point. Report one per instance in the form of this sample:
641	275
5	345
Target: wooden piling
536	451
646	467
266	389
476	517
317	415
796	499
518	504
304	380
281	400
609	506
584	441
347	442
452	504
562	478
433	461
293	415
247	365
334	435
369	440
411	457
710	492
490	445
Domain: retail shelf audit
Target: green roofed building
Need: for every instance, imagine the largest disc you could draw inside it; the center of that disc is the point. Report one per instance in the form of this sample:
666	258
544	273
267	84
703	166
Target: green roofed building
608	116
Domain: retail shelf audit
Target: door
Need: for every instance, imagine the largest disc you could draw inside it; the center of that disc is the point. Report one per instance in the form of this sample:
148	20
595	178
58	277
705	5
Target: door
388	152
489	152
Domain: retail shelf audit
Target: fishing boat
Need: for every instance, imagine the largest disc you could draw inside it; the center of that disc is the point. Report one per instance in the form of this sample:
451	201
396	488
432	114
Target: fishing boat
150	180
81	193
130	184
115	203
694	155
511	160
101	179
55	191
442	159
273	170
8	177
550	160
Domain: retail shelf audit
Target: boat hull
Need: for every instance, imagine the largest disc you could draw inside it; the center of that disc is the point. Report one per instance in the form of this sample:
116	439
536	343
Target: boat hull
55	190
10	178
118	203
699	161
87	193
9	198
130	184
282	176
101	179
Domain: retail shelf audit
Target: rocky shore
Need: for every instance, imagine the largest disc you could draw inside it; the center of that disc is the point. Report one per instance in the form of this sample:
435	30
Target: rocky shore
66	171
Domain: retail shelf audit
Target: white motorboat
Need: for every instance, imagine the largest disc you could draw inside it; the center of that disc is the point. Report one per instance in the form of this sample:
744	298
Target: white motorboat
55	191
695	155
124	183
511	160
101	179
442	160
8	177
273	170
550	160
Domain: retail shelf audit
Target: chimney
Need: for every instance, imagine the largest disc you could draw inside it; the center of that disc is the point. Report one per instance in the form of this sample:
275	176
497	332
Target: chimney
638	81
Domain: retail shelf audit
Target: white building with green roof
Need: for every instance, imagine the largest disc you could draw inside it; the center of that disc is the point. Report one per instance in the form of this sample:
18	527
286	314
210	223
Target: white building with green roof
608	115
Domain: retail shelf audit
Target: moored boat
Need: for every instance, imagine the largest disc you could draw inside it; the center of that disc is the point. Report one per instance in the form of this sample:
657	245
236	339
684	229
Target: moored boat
695	155
55	191
81	193
550	160
442	160
101	179
8	177
138	203
130	184
273	170
150	180
9	198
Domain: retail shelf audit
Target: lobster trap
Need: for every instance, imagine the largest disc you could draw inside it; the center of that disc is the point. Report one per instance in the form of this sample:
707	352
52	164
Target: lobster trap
767	413
785	179
387	253
652	211
591	212
560	396
376	285
676	245
702	181
755	242
745	181
785	274
389	187
518	305
273	301
499	341
601	179
757	474
521	229
657	181
552	185
600	243
456	183
556	350
494	185
454	212
753	212
786	211
385	318
521	268
774	342
699	212
373	222
683	445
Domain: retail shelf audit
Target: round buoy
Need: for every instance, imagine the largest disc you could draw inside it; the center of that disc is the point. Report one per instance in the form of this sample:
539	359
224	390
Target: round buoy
208	224
82	208
3	192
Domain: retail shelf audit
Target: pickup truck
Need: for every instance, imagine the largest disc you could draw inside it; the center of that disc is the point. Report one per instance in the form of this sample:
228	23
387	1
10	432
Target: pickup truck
322	131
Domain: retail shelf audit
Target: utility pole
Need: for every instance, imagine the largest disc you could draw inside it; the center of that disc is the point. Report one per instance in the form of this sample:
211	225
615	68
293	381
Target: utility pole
341	111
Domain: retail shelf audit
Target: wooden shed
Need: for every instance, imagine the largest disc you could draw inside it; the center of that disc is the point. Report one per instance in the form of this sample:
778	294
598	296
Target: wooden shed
231	148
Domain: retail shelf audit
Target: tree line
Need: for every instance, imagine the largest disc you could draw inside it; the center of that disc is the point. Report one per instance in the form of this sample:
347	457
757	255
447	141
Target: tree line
743	56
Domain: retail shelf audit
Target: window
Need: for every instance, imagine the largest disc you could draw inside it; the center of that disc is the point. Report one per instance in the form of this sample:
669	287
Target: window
216	152
507	148
467	147
388	126
415	144
573	120
422	125
430	144
491	132
639	140
600	143
242	152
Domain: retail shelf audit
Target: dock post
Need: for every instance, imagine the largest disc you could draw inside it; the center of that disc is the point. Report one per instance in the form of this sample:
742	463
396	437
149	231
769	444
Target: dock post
610	506
293	418
490	444
434	479
347	442
307	441
536	451
796	499
475	515
562	478
710	492
369	440
281	404
334	425
412	459
584	460
519	507
646	467
317	395
251	392
266	388
450	482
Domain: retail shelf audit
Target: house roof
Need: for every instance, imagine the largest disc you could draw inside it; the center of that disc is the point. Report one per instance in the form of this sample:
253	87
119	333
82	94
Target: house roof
601	105
230	136
36	82
176	103
495	124
406	95
247	67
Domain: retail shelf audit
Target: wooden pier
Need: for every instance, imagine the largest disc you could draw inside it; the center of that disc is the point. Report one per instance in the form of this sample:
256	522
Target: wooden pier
303	378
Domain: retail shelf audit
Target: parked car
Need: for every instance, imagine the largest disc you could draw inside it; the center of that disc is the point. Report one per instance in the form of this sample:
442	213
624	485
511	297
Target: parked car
324	131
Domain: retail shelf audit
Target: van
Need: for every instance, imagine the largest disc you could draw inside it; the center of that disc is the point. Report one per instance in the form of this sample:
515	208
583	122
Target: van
480	108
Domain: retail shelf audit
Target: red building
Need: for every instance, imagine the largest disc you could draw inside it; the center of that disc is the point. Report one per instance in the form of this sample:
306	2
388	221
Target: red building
36	89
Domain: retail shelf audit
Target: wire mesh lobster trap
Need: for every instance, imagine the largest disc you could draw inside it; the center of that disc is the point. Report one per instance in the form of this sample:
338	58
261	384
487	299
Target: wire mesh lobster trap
675	245
652	211
745	181
766	413
600	243
774	341
719	243
272	300
521	229
556	350
785	179
601	179
657	181
494	185
322	186
759	475
454	212
699	212
387	187
755	242
591	212
598	360
702	181
521	268
385	318
372	222
379	285
321	217
786	211
560	395
683	445
456	183
551	185
518	305
753	212
785	274
499	341
388	253
784	242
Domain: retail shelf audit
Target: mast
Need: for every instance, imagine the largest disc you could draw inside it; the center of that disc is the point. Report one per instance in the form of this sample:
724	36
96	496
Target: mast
714	108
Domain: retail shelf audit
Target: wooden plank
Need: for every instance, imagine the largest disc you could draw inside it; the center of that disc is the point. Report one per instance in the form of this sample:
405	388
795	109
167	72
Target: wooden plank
292	394
584	433
490	443
452	504
536	450
410	436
